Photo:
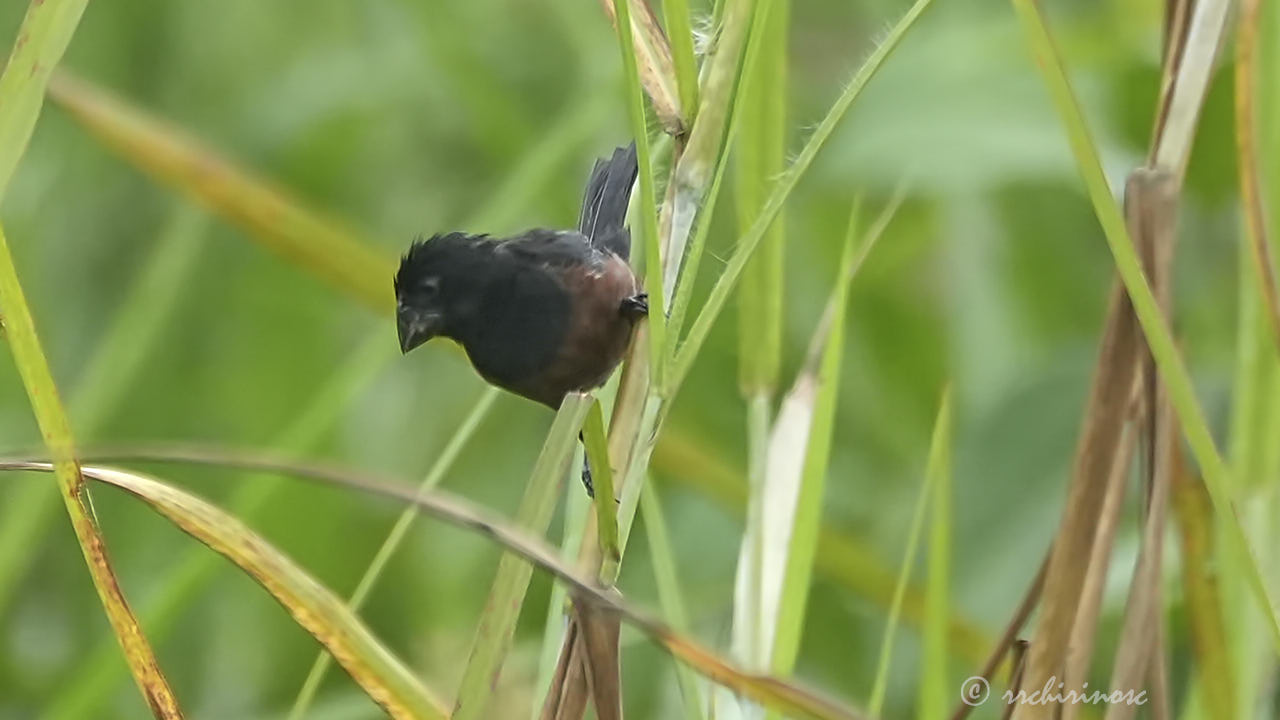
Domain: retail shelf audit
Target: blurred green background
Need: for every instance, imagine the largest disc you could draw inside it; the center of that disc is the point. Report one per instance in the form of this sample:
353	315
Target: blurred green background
410	117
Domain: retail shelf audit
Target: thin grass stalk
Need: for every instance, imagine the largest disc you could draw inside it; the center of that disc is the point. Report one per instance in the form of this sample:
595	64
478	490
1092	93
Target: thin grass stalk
701	327
439	468
502	610
55	429
111	371
880	685
1168	361
935	686
666	577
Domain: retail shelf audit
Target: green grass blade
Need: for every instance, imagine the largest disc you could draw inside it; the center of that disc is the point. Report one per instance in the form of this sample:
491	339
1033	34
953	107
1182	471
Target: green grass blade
111	372
760	156
667	579
453	448
648	209
680	35
602	477
881	684
935	692
55	429
782	189
819	380
42	39
502	610
1155	328
97	675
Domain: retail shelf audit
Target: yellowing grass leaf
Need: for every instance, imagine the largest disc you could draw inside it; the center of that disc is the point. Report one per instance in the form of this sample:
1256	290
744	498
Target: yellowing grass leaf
771	692
29	357
323	245
386	680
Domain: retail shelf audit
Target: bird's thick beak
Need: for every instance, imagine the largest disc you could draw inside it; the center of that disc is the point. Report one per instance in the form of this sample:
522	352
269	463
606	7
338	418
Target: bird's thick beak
416	328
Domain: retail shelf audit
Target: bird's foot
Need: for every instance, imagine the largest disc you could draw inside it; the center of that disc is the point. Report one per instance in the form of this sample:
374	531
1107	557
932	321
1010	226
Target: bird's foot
636	306
586	478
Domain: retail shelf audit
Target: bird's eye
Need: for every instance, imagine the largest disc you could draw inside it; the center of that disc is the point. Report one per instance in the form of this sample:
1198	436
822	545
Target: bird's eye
430	287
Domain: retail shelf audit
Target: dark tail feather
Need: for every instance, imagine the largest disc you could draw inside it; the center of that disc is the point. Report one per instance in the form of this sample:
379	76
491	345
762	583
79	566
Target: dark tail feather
604	207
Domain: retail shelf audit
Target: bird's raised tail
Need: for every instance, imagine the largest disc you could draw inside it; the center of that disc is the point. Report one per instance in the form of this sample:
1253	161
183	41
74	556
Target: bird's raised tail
604	207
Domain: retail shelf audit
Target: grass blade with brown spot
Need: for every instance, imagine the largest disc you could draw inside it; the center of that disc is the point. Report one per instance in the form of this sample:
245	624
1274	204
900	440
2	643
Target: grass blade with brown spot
36	377
42	39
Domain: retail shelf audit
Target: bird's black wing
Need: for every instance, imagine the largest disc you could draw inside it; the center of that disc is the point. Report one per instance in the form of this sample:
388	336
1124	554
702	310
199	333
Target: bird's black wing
604	206
552	249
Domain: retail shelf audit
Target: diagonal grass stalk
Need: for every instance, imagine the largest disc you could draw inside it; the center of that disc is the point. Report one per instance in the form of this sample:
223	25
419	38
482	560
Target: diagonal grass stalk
111	371
37	379
881	683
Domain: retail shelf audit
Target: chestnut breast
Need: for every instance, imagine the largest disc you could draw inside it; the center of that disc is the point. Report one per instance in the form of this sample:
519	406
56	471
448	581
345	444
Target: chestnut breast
598	331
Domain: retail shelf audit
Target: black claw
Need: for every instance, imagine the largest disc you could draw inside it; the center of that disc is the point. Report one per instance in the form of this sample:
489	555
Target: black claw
586	478
636	305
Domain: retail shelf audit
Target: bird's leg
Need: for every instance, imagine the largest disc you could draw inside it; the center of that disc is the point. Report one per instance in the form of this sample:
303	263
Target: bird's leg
636	306
586	469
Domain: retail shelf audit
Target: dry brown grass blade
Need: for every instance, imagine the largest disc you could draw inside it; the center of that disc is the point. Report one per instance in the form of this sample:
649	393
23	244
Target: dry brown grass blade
1255	214
653	61
319	611
567	694
771	692
1083	634
1099	442
323	245
1136	655
598	635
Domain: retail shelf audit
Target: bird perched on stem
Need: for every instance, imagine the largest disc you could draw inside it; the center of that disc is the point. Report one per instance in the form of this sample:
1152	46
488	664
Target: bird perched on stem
543	313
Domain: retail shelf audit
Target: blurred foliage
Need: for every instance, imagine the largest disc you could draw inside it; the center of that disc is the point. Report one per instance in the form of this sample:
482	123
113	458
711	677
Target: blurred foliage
410	117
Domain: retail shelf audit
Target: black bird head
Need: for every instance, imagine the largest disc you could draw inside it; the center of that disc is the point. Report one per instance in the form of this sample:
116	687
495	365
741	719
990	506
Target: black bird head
420	308
437	286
